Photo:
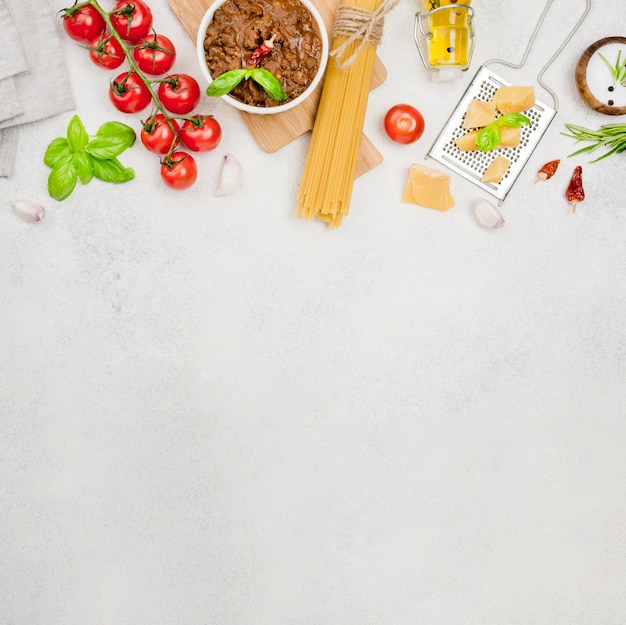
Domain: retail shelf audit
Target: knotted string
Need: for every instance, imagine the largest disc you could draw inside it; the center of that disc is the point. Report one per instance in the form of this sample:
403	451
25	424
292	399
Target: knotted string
356	23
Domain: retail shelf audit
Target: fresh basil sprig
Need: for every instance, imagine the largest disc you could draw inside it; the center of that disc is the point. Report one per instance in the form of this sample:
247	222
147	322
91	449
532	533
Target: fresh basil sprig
489	137
81	157
227	81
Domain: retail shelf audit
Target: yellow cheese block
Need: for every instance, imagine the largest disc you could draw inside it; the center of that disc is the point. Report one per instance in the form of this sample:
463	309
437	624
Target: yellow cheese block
428	187
512	99
479	113
509	138
496	170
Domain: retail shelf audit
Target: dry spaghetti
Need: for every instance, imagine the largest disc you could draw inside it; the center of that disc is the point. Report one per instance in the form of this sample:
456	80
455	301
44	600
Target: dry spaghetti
326	187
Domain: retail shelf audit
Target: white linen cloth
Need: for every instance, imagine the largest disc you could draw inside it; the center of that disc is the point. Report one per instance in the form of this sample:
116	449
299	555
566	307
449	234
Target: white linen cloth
34	81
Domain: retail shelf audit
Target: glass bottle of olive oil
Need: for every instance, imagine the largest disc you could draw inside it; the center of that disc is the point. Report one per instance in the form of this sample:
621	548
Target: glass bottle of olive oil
449	33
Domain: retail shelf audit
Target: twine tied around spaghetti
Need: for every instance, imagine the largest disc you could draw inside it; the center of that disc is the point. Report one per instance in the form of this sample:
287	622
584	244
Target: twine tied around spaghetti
356	23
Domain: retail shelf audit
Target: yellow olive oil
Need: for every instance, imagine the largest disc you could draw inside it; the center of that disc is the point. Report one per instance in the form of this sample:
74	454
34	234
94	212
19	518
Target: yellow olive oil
449	34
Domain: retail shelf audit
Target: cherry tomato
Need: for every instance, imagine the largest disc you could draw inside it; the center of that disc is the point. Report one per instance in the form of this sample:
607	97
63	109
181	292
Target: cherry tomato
131	19
404	123
179	171
155	55
128	93
106	52
159	136
179	93
201	133
83	24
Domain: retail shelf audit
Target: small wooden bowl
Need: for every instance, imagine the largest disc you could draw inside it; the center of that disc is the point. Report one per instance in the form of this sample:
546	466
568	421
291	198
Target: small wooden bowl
594	80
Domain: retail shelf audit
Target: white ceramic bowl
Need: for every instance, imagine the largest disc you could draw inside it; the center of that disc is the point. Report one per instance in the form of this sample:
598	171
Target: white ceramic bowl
265	110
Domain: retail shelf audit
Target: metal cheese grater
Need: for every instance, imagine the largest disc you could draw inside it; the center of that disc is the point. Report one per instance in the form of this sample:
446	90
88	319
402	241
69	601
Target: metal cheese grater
472	164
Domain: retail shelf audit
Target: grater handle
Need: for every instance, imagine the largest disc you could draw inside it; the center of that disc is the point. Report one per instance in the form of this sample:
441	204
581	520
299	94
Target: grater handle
556	54
531	41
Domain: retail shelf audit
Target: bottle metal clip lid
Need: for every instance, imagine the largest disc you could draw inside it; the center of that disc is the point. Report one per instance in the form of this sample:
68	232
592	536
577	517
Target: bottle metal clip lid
449	35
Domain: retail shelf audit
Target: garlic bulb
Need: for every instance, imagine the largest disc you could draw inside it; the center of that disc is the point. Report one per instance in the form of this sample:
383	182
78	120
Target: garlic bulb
29	210
231	176
487	215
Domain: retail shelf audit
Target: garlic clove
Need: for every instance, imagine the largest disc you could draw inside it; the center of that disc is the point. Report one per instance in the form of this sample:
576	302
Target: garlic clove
231	176
28	210
487	215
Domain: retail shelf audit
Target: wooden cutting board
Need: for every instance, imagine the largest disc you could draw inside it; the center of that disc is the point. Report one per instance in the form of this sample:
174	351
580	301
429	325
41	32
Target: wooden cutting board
274	132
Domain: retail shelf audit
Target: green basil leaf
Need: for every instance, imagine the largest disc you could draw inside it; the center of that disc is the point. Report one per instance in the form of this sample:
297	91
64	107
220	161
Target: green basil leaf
269	82
512	120
62	180
58	151
226	82
122	132
488	137
104	148
112	171
76	134
84	168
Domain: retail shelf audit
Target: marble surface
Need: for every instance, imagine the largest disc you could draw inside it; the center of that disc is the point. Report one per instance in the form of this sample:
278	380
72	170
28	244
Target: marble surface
213	412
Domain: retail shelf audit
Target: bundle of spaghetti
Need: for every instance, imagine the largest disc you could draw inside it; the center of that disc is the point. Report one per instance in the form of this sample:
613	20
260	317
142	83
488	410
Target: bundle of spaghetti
328	178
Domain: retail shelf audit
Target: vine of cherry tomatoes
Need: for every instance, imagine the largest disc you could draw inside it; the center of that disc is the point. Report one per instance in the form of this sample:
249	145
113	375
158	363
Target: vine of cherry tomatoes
126	34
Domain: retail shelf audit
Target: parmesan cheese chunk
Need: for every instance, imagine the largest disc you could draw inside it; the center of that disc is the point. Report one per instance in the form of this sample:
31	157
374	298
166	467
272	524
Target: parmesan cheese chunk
479	114
512	99
509	138
428	187
496	170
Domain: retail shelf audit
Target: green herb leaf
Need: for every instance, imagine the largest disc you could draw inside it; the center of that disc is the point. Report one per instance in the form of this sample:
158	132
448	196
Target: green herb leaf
488	137
76	134
512	120
121	131
104	148
82	164
618	71
77	157
610	137
226	82
269	82
62	180
112	170
58	151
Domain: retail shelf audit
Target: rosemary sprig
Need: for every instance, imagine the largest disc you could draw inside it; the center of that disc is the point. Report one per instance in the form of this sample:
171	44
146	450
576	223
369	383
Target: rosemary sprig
610	137
618	71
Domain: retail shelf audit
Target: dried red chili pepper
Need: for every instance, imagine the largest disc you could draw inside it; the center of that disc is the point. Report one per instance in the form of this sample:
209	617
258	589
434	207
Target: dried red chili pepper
575	192
261	52
548	170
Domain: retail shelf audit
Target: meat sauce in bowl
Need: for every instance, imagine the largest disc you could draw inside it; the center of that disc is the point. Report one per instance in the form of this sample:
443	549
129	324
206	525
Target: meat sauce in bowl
238	27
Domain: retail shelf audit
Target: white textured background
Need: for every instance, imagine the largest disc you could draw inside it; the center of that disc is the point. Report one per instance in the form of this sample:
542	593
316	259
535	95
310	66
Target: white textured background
213	413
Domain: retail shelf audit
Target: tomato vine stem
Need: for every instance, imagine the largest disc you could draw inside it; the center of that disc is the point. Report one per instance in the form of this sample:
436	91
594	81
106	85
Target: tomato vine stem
134	68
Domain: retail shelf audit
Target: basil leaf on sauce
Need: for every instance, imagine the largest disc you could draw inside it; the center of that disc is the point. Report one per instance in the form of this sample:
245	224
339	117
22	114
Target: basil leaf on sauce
226	82
269	82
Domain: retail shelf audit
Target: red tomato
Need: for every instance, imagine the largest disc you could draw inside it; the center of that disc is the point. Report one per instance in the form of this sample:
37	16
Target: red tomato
201	133
83	24
179	93
155	56
131	19
404	123
179	171
128	93
159	136
106	52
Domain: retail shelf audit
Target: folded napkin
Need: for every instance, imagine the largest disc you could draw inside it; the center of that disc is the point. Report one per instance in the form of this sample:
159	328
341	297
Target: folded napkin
34	80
